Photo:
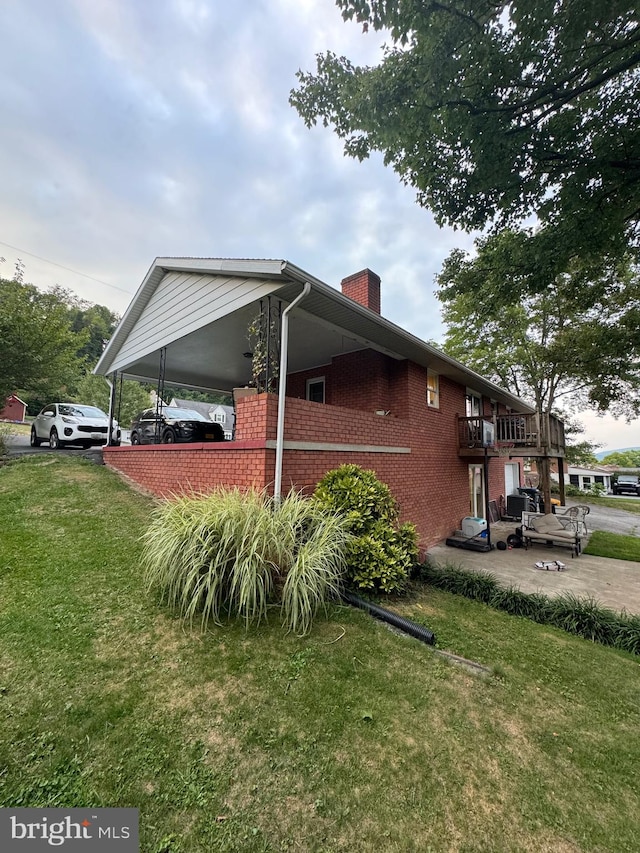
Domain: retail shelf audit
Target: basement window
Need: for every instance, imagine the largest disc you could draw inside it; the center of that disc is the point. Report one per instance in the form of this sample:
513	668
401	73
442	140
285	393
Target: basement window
315	390
433	390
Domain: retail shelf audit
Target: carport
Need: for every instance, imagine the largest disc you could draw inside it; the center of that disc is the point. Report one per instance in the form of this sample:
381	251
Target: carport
187	326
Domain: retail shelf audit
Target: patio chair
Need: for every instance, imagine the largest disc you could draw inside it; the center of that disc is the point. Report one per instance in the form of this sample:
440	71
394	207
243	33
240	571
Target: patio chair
579	513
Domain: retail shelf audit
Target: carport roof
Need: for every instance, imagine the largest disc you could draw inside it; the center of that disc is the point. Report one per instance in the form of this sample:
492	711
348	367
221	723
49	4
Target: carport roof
324	324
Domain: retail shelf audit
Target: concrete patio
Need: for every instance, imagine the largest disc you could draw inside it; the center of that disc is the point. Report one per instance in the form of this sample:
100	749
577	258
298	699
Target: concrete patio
613	583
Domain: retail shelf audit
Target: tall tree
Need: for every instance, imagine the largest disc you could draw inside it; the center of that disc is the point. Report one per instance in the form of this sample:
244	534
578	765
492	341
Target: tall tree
551	347
98	321
571	345
38	349
495	110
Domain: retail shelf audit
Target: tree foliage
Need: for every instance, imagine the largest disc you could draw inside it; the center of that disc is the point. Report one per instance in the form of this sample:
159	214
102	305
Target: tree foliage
98	321
131	397
571	344
623	458
581	454
48	340
496	110
38	348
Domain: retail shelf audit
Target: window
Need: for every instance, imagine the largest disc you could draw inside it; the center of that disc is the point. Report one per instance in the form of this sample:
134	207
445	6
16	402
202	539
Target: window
574	480
473	404
433	390
219	418
315	390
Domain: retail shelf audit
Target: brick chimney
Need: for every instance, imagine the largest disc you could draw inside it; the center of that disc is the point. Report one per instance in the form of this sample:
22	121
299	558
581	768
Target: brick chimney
363	287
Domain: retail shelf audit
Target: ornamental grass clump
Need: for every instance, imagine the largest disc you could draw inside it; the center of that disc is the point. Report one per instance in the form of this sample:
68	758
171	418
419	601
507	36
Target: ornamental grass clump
234	553
382	552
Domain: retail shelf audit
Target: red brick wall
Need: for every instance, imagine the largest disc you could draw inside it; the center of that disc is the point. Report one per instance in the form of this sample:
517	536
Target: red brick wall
363	287
358	380
174	469
431	483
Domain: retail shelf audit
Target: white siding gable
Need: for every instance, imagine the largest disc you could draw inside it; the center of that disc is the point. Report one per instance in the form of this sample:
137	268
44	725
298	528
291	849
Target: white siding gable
185	302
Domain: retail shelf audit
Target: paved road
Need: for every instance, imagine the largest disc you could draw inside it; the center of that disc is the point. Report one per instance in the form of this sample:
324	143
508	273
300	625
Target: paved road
611	520
19	445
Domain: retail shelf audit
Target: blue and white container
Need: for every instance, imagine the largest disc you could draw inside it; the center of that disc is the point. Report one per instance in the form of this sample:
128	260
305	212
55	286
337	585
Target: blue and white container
473	526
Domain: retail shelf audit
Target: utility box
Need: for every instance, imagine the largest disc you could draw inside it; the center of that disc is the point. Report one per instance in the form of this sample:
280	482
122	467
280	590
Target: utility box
517	504
473	526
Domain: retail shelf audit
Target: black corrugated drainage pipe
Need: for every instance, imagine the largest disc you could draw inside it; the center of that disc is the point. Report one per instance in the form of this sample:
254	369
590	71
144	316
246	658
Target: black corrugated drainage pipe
411	628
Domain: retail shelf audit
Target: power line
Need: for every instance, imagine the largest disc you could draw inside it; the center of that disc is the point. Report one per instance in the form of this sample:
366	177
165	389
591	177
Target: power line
68	269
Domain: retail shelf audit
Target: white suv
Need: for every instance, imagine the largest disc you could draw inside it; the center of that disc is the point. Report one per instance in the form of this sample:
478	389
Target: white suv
72	423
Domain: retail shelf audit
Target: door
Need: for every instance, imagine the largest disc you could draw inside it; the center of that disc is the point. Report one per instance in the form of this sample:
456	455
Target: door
473	404
43	422
511	478
476	491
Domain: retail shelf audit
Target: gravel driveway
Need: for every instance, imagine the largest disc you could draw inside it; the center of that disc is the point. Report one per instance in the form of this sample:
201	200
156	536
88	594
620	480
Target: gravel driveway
611	520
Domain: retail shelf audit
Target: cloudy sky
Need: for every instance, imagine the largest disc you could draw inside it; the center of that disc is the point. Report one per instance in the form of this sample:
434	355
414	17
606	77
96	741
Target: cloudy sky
133	129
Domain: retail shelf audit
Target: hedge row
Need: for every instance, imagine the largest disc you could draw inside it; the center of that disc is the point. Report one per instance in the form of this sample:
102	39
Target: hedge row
584	617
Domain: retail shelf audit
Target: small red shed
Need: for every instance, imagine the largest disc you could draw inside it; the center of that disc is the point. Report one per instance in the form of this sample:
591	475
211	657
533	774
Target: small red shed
14	409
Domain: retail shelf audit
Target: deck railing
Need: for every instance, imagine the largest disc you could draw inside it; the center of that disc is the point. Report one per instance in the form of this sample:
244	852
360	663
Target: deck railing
521	431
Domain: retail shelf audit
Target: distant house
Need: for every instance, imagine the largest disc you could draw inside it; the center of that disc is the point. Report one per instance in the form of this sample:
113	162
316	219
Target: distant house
585	478
215	412
352	387
14	409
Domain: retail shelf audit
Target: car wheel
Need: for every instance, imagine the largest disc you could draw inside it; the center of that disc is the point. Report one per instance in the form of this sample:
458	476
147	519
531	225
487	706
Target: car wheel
34	440
135	438
115	444
54	440
168	437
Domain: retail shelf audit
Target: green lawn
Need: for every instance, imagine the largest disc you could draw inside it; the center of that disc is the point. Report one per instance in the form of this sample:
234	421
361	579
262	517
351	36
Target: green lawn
351	739
627	504
614	546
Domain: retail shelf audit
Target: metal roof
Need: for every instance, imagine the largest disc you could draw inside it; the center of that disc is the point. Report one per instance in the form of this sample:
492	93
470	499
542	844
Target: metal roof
326	323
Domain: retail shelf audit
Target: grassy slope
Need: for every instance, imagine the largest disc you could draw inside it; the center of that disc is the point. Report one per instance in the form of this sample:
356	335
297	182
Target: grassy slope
349	741
614	546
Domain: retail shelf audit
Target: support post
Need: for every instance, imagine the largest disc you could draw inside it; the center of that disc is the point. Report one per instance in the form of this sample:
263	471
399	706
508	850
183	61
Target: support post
160	392
486	495
113	385
282	389
563	499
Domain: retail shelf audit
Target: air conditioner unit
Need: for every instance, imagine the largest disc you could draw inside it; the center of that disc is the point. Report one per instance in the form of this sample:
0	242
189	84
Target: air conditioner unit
516	505
488	434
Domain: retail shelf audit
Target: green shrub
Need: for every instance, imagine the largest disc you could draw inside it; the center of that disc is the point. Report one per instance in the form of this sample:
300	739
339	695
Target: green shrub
597	489
382	553
480	586
584	617
573	491
233	553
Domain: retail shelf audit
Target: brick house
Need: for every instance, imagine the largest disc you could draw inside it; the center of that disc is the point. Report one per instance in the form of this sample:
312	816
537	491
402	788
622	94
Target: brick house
14	409
352	387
